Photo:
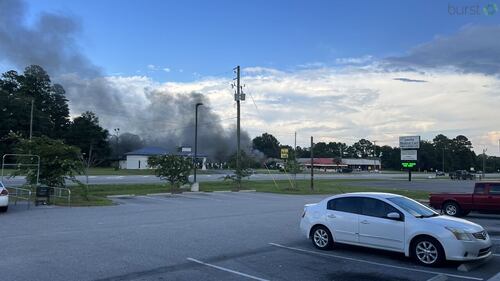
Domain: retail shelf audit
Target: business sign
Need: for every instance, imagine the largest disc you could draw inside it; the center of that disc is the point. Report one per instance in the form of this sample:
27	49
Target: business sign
408	164
408	155
284	153
409	142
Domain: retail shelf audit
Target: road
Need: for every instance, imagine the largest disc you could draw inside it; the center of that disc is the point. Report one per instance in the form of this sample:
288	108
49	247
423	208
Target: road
137	179
205	236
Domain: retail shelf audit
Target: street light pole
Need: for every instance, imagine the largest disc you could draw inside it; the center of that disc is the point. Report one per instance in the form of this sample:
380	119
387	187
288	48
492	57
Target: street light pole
196	138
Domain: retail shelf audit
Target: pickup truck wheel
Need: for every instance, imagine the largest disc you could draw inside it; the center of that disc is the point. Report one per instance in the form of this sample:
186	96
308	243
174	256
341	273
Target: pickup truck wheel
452	209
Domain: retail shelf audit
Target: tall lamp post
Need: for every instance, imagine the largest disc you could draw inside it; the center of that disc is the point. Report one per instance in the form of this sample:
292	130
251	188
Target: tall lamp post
196	138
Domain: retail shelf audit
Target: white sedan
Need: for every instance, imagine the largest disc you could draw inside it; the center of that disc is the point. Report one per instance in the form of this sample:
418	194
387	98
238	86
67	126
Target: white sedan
396	223
4	198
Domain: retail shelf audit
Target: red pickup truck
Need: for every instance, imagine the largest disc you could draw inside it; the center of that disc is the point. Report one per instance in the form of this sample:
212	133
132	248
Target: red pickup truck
486	198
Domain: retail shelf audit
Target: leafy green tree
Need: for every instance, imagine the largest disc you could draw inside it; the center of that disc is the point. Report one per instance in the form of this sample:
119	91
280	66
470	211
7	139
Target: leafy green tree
172	168
86	133
363	148
19	91
58	161
390	157
267	144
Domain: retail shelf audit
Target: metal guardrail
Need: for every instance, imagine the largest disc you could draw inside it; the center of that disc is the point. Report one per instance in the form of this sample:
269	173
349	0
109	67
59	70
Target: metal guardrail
64	193
20	194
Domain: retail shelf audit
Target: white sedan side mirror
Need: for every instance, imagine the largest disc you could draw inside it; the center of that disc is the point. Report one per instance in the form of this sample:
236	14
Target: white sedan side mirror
394	216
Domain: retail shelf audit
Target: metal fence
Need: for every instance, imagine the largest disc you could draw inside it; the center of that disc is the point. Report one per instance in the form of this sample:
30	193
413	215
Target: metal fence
20	194
63	193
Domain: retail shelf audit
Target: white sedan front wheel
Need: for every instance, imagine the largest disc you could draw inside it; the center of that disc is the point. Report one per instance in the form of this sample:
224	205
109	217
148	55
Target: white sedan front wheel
428	251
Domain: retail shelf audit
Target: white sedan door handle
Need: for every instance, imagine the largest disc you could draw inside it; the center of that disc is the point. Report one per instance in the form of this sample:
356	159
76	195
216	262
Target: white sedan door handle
332	216
365	222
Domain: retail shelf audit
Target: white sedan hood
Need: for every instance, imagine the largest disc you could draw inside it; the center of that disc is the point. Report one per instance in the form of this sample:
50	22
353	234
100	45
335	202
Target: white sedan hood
455	223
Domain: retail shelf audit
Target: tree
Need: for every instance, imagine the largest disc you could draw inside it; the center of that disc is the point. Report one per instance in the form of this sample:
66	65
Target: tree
58	161
50	106
86	133
267	144
363	148
172	168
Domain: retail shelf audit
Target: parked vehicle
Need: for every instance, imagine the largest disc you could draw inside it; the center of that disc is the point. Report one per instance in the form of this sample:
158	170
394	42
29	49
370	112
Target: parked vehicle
395	223
440	174
4	198
461	175
486	198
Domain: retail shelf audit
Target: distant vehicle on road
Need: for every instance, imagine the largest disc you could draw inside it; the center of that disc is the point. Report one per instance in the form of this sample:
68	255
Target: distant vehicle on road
395	223
440	174
461	175
486	198
4	198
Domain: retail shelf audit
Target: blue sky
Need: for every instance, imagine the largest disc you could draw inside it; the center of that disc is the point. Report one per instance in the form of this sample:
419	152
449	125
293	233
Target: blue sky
336	70
200	38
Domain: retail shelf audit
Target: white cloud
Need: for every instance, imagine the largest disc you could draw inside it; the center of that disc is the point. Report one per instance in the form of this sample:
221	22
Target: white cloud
345	105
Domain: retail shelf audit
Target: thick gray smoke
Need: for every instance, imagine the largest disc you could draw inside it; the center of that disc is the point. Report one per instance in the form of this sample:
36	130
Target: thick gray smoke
166	119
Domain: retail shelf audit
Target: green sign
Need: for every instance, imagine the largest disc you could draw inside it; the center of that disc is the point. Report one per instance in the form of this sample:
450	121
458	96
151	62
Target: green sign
409	164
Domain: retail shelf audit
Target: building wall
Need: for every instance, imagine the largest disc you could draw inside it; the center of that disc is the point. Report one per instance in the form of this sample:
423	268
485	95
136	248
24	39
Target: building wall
137	162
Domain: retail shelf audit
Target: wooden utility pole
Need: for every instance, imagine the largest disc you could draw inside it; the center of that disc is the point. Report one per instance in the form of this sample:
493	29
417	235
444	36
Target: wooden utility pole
238	96
312	164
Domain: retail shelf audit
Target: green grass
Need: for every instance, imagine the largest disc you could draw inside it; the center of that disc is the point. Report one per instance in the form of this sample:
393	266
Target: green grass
303	187
97	194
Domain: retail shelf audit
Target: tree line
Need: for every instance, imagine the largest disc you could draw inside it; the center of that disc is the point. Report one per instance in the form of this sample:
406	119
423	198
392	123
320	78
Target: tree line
442	152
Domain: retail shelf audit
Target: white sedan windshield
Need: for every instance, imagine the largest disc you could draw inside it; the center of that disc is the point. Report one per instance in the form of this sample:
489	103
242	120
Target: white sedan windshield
416	209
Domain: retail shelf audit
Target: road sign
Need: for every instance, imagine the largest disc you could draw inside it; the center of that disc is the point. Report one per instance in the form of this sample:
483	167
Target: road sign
408	164
284	153
408	155
409	142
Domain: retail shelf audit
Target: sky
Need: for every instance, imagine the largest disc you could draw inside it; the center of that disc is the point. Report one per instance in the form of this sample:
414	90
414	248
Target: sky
335	70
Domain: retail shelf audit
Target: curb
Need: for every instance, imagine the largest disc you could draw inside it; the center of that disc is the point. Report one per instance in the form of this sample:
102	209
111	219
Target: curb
121	195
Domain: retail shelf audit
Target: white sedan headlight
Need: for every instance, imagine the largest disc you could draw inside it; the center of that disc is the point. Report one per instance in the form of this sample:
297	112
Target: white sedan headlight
460	234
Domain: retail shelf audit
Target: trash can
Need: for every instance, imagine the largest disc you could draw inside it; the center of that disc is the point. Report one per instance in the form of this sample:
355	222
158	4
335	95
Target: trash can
42	195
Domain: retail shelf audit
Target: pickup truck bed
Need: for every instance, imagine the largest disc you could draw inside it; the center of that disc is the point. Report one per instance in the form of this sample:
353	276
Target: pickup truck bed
486	198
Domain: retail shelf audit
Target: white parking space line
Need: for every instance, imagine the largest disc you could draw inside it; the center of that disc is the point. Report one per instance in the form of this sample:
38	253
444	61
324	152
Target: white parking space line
374	263
227	270
440	277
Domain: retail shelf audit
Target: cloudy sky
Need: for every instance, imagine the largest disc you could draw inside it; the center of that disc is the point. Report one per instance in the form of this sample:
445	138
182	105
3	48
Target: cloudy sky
333	70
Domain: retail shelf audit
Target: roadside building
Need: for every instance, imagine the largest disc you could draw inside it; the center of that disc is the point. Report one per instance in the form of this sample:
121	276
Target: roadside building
339	164
362	164
138	159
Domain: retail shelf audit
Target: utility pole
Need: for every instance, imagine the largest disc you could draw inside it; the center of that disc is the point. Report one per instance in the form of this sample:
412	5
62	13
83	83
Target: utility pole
31	119
312	164
443	159
239	96
484	160
374	154
295	160
195	159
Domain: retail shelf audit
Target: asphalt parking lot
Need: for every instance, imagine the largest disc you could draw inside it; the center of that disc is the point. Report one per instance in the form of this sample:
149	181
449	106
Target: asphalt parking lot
205	236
